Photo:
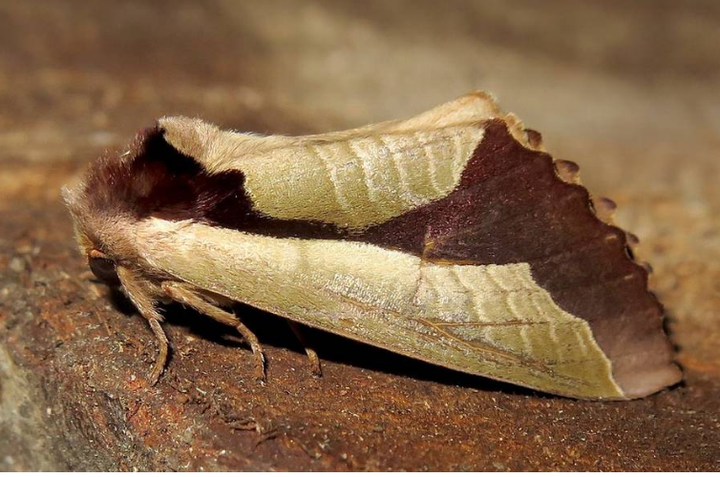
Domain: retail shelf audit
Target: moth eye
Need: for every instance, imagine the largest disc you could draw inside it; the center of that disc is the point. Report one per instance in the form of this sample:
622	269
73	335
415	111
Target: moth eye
104	269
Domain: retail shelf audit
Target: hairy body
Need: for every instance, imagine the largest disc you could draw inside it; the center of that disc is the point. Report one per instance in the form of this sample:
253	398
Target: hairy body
451	237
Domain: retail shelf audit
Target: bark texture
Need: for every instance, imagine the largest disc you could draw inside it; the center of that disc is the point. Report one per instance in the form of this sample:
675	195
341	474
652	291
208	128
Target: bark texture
628	91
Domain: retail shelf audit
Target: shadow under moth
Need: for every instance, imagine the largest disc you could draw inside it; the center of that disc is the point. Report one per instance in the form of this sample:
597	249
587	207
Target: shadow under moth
450	237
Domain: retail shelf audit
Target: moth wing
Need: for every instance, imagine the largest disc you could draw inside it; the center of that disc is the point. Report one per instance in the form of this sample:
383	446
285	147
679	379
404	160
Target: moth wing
461	186
511	206
226	149
349	179
489	320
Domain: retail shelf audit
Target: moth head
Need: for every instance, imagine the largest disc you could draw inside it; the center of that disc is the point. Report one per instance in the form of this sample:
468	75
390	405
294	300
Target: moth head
102	264
122	192
103	267
102	225
124	196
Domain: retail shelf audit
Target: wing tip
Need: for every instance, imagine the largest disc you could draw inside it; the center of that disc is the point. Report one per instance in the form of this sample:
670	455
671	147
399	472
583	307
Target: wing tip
652	381
642	364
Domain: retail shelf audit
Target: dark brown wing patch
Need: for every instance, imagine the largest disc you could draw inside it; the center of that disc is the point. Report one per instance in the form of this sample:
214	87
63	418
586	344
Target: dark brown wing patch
512	207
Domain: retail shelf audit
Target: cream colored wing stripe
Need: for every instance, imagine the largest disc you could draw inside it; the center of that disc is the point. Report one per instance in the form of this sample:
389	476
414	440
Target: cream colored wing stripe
431	158
371	294
332	172
357	182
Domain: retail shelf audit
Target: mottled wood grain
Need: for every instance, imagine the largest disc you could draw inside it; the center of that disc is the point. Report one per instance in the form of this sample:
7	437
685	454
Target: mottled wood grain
629	92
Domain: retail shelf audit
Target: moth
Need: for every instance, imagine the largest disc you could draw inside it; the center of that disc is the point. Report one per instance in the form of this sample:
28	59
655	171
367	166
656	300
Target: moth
451	237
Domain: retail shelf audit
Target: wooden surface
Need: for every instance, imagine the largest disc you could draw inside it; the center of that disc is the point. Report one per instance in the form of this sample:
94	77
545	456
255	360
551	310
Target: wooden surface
627	90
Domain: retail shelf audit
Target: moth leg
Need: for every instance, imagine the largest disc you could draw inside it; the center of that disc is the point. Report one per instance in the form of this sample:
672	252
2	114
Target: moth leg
309	351
135	290
187	297
162	356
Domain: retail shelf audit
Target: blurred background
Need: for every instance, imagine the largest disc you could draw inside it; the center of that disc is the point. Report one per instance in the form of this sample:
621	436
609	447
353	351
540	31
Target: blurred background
599	79
628	90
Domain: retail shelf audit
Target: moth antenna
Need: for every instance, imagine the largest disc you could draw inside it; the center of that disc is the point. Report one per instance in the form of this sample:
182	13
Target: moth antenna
568	171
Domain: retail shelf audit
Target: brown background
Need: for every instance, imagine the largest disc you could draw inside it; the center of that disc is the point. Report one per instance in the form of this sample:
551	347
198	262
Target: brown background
629	90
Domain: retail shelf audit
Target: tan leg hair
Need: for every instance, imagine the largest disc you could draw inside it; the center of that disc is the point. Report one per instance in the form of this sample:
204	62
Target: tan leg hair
186	296
162	356
135	290
311	353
